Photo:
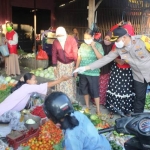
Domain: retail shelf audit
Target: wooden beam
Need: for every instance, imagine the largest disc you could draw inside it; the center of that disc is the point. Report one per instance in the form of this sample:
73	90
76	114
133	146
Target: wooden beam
91	12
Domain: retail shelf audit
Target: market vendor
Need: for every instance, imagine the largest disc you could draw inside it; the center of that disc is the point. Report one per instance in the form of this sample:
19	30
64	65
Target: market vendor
79	132
12	62
10	108
134	51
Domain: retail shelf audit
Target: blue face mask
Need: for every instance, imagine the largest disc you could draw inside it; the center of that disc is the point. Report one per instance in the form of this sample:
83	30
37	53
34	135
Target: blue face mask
61	38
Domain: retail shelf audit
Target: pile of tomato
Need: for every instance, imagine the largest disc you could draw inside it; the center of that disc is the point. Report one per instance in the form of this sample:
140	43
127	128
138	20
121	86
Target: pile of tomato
49	136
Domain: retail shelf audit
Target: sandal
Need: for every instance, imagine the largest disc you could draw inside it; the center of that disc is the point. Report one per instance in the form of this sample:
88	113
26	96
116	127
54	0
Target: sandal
111	115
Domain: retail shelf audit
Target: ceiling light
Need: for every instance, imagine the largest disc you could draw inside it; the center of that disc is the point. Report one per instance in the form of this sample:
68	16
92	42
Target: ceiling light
62	5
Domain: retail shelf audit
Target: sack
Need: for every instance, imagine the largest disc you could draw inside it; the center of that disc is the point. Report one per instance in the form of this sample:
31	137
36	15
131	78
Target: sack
42	55
146	40
4	50
36	99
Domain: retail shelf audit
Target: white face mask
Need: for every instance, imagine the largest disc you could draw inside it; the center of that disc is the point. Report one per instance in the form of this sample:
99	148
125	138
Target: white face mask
61	38
119	44
89	41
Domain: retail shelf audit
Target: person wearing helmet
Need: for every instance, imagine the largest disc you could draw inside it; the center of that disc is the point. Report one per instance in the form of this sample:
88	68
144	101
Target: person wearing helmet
79	132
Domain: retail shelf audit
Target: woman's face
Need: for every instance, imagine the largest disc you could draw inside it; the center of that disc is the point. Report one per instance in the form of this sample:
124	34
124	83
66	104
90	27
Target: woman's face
32	80
75	31
107	40
88	39
8	27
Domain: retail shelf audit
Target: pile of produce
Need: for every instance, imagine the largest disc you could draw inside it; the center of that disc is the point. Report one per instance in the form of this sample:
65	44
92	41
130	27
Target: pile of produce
98	121
23	54
38	111
4	92
49	136
147	104
6	83
47	73
115	146
117	140
7	80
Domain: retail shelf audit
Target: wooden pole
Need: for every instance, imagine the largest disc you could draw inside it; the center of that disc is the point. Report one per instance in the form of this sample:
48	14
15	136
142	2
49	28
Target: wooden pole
91	11
35	30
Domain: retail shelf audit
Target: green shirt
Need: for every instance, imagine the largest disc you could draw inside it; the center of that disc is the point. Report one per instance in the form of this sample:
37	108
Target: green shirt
88	56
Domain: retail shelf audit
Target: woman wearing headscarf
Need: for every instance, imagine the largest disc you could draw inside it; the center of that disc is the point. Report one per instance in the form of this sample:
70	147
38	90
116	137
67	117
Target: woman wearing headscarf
12	63
120	89
64	56
105	71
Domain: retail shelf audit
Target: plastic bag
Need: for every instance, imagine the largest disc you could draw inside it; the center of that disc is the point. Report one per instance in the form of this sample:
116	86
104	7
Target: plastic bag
4	130
42	55
4	50
3	145
36	99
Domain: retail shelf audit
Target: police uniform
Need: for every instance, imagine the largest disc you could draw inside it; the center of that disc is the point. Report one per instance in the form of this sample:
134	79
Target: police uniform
138	57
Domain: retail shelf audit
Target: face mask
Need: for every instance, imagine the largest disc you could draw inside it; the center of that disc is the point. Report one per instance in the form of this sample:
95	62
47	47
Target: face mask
9	29
88	41
107	42
61	38
119	44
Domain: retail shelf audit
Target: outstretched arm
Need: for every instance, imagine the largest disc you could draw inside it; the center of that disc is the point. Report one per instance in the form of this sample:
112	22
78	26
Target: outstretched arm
53	83
99	63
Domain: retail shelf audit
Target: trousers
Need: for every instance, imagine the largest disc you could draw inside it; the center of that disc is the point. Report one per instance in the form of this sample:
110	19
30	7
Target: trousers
140	92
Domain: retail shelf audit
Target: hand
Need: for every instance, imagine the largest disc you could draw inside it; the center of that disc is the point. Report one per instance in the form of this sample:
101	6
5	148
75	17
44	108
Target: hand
93	44
6	41
75	74
80	70
65	78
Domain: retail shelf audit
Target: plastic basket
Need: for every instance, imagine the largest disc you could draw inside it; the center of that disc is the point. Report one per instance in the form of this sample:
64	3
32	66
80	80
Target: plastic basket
16	139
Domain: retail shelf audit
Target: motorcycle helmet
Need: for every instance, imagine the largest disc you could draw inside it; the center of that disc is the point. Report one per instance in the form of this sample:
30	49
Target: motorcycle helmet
57	105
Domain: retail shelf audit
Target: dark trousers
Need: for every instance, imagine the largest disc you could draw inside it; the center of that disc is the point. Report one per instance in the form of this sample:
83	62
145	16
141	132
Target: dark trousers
140	91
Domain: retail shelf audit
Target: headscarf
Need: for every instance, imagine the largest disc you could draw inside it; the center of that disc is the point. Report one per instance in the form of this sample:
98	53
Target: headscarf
107	49
61	31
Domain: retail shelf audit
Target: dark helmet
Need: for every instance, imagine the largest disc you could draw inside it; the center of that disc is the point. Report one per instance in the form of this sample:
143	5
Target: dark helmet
57	105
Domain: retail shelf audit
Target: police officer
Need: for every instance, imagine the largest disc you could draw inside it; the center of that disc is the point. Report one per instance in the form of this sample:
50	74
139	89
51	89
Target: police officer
133	51
79	132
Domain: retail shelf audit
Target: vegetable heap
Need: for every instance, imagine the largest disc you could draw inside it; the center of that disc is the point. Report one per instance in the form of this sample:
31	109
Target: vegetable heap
115	146
49	136
147	105
47	73
5	91
38	111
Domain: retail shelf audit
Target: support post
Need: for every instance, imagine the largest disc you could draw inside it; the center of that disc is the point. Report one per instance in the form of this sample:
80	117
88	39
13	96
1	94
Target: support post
91	11
35	31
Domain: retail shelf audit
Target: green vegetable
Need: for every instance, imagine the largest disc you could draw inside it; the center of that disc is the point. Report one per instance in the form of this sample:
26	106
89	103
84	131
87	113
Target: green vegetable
93	117
115	146
26	148
58	146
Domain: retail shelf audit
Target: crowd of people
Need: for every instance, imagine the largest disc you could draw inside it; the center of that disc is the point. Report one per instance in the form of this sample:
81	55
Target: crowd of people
113	72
